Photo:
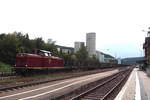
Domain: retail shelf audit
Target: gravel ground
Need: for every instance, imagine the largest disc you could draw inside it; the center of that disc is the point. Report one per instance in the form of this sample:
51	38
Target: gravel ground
55	76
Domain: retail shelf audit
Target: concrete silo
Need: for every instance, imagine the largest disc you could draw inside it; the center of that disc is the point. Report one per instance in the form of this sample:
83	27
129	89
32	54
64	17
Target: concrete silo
91	43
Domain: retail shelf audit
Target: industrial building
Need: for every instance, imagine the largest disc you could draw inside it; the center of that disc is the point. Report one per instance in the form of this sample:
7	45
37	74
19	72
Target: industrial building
131	60
105	58
65	49
91	43
77	46
100	56
91	48
146	47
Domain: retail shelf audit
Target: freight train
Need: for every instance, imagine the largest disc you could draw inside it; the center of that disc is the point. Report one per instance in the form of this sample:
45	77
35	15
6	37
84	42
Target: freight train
41	61
37	61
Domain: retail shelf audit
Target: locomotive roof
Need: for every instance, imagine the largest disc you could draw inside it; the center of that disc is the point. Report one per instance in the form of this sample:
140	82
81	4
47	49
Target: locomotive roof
23	54
29	54
45	51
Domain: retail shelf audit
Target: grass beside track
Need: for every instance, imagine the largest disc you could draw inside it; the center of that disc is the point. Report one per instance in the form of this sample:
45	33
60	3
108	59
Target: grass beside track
5	68
51	76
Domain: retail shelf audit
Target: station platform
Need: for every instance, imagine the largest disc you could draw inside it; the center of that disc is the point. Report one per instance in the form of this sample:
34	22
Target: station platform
137	87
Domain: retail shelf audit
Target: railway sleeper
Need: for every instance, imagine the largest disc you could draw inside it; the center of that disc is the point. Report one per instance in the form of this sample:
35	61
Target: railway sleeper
78	93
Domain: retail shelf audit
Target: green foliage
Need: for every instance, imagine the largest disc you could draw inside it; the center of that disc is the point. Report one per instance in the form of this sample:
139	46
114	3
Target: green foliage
50	46
8	48
79	59
5	67
93	61
68	58
11	44
82	55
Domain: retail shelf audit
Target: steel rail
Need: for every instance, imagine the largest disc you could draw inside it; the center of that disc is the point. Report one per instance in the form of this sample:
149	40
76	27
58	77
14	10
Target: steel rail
42	81
117	85
100	85
8	74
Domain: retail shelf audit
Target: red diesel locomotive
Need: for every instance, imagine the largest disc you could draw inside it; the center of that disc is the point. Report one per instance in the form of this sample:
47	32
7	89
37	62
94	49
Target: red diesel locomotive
39	60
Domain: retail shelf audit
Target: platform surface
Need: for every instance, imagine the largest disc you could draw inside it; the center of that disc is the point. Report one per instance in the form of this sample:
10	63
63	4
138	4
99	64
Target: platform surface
136	88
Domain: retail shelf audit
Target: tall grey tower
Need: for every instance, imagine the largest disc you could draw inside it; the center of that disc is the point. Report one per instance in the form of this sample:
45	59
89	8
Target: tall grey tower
91	43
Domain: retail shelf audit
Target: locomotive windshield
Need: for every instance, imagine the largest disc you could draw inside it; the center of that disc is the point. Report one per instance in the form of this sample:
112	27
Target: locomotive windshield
42	52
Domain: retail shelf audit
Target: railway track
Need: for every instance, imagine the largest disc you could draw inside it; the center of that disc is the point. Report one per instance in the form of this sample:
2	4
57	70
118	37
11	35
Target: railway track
8	75
37	82
104	90
52	91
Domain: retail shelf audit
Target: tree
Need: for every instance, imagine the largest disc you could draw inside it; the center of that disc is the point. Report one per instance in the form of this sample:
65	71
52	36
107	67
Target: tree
50	46
16	42
93	61
50	41
39	43
8	48
82	55
25	44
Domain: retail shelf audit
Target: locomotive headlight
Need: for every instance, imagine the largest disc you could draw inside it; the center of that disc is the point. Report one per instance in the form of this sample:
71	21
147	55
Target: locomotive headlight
26	65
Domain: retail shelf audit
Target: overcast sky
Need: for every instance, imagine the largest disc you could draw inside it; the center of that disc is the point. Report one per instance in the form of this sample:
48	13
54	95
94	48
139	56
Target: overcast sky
117	23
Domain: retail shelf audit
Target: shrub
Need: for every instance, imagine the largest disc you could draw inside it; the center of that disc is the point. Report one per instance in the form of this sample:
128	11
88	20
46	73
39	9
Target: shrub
5	67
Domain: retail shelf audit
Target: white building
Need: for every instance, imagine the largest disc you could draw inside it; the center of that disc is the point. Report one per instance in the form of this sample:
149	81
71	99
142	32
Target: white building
119	60
77	46
65	49
100	56
91	43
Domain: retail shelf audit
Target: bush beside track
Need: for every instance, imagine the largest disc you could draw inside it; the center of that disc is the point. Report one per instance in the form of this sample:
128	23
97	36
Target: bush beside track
5	67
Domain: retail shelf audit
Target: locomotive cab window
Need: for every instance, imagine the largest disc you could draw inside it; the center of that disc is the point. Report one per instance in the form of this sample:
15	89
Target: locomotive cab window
47	54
